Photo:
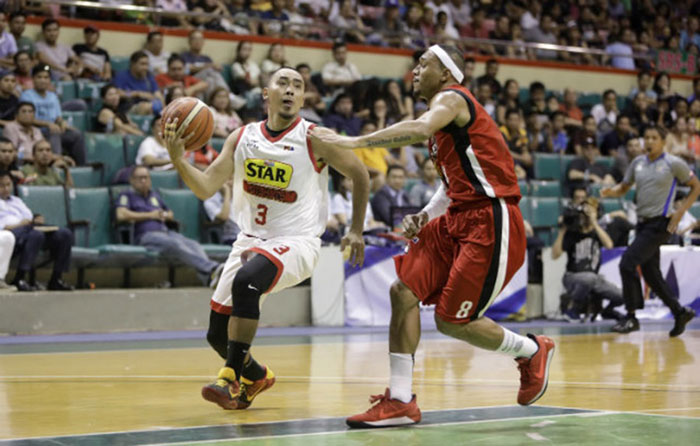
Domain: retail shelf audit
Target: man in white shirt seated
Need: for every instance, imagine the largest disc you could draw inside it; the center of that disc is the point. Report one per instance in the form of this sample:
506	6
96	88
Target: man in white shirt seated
340	73
152	152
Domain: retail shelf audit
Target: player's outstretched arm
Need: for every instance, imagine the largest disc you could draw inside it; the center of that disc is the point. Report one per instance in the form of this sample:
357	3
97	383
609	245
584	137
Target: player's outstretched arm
349	165
207	183
444	108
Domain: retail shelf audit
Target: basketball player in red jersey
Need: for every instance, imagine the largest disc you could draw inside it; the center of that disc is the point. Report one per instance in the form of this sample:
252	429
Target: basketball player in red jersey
468	242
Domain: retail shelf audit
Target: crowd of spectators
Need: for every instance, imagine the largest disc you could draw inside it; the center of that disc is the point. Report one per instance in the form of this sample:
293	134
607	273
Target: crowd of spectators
533	119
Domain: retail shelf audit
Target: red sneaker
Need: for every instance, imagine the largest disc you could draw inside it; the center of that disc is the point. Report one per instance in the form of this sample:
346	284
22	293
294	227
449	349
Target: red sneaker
388	412
251	389
224	391
534	372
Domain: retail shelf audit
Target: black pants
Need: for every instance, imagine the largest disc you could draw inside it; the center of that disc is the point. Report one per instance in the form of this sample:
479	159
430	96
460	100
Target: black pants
644	252
28	243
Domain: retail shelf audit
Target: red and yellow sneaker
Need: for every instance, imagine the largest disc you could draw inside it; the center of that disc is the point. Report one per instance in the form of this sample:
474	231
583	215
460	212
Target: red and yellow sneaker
388	412
224	391
251	389
534	372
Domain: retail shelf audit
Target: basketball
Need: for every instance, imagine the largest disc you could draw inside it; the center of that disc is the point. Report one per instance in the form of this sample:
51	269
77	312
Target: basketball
195	116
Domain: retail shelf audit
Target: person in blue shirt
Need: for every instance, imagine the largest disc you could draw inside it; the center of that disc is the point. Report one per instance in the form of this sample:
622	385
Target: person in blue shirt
63	138
139	86
145	208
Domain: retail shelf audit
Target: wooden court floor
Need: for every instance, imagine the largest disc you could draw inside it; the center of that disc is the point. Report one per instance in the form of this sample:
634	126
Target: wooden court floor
642	388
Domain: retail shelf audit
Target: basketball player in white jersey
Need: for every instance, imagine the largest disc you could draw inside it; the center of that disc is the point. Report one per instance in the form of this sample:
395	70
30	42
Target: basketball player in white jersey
280	200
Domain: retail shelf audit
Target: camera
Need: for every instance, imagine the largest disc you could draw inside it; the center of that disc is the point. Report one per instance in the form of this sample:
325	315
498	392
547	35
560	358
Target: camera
574	218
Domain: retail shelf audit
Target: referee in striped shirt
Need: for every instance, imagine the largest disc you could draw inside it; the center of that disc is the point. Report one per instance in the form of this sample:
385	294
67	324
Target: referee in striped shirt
656	174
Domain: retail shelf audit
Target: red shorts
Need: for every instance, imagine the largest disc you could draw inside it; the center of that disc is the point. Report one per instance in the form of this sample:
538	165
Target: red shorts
464	258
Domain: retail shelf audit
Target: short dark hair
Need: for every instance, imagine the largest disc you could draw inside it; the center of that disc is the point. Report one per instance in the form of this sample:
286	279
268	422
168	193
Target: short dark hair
658	129
302	65
136	56
175	58
5	140
491	61
5	173
105	88
15	58
339	44
512	111
24	104
646	73
41	68
395	167
575	188
609	91
19	13
537	85
37	143
48	22
469	59
152	34
137	167
557	113
587	117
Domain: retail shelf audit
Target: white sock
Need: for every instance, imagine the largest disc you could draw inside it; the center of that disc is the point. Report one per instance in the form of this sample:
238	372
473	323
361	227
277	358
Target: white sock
516	345
401	376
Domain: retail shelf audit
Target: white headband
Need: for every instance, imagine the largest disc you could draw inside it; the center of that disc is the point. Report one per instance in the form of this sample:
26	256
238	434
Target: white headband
447	62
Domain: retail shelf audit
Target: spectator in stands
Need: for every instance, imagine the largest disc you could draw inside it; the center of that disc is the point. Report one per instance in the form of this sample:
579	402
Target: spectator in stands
616	139
314	106
585	170
500	32
510	100
8	97
202	66
536	134
202	158
348	23
214	7
389	29
176	75
157	57
63	138
644	85
112	117
139	86
174	92
241	21
340	73
516	138
245	72
64	63
7	245
690	35
340	206
375	159
477	27
18	22
588	130
218	210
485	98
573	114
391	195
342	119
662	85
687	230
537	104
619	50
444	31
379	113
8	160
469	65
623	158
640	113
31	235
274	19
557	138
677	141
8	46
274	61
23	71
22	131
543	33
421	193
96	64
400	104
226	120
152	152
143	206
581	237
44	169
605	114
490	77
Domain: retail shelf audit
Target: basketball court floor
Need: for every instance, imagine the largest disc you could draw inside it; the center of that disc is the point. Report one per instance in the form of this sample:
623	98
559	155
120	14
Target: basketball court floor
143	388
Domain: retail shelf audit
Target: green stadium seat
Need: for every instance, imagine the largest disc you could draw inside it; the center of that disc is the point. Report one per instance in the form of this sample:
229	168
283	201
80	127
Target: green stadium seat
410	182
524	95
525	208
547	166
545	188
589	99
215	252
217	143
106	152
131	148
165	179
84	176
90	90
78	119
49	201
524	188
695	209
607	161
185	207
143	122
119	63
66	90
594	190
92	205
631	195
611	204
544	212
227	73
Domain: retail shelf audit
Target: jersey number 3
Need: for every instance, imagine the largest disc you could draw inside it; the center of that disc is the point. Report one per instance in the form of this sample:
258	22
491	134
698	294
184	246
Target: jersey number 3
261	218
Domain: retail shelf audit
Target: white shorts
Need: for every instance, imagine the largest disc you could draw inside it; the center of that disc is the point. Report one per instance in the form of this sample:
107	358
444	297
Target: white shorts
295	258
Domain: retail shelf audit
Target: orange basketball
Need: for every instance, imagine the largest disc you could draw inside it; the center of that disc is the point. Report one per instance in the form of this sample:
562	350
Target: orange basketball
195	116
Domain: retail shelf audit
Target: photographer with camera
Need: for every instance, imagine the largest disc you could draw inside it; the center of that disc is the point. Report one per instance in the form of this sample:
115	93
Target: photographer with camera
581	237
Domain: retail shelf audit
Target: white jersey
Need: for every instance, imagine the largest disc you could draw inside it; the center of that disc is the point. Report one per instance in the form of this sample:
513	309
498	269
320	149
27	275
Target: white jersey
279	189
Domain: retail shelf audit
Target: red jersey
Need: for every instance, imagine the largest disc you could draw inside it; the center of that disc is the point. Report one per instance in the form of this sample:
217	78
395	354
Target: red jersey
473	161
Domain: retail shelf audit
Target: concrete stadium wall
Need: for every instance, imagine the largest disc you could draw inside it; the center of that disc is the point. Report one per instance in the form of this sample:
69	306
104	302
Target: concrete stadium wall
122	39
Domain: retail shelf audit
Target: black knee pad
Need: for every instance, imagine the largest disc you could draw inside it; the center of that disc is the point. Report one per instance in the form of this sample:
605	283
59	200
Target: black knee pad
251	281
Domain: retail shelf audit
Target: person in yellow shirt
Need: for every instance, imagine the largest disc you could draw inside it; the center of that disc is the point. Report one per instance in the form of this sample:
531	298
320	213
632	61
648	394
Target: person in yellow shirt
376	159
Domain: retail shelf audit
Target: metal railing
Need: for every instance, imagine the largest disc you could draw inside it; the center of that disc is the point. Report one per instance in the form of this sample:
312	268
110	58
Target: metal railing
291	29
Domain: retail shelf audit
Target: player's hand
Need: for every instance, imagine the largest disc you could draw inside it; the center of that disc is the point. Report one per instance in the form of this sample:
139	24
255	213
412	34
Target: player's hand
174	141
327	136
673	223
412	224
356	244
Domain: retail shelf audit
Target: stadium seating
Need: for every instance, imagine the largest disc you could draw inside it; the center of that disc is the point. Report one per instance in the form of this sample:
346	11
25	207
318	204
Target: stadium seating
524	188
143	122
131	148
66	90
78	119
84	176
217	144
547	166
165	179
545	188
105	152
119	63
695	209
544	213
611	204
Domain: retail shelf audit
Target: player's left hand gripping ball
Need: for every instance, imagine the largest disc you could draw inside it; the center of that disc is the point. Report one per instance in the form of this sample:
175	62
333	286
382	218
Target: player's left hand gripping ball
353	248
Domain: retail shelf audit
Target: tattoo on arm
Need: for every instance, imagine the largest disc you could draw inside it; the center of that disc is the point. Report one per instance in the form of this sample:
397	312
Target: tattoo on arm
383	142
